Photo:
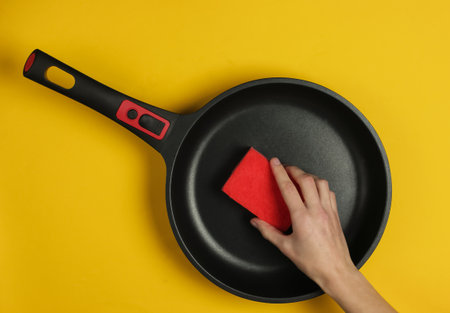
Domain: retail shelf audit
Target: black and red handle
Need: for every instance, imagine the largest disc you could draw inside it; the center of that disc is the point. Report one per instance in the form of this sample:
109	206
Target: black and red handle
150	123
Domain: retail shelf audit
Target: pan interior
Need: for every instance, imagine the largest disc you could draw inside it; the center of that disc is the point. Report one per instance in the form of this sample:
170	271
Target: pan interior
303	127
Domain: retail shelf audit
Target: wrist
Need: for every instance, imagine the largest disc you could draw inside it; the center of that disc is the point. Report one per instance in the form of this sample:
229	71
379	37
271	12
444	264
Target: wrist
335	281
353	292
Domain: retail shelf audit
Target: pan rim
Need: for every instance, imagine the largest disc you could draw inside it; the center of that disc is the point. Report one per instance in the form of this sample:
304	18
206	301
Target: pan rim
194	117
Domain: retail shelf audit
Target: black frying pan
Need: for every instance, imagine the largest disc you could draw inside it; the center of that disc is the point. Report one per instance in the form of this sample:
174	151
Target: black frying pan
300	122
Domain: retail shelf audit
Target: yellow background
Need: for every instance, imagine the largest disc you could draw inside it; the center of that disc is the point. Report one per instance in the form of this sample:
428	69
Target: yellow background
83	226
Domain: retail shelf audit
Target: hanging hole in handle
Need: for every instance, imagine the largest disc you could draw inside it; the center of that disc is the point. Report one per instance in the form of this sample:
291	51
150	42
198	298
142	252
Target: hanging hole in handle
59	77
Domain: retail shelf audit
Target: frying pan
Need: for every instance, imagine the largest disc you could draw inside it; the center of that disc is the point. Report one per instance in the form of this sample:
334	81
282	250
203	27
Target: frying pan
300	122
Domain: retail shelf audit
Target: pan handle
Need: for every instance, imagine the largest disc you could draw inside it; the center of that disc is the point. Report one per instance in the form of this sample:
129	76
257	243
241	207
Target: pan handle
150	123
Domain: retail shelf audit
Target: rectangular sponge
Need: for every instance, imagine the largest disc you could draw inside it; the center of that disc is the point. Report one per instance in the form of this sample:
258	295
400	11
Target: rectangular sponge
253	186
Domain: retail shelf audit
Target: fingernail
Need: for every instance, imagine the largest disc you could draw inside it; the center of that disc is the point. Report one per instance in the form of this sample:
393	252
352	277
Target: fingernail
276	161
253	222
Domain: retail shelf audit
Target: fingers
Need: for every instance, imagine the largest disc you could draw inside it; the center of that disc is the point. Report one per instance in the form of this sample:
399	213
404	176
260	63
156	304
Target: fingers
269	232
324	193
307	185
334	207
333	201
287	188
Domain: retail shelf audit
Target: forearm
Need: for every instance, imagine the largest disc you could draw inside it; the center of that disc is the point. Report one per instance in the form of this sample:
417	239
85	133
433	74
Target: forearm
352	291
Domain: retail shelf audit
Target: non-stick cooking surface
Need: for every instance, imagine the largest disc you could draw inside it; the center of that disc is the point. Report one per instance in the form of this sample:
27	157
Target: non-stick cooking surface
303	127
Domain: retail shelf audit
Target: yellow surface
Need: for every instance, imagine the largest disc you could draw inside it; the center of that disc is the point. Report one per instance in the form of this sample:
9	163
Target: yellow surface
83	226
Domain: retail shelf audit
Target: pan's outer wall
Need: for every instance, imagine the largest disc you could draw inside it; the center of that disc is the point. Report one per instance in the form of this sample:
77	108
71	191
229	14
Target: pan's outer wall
186	122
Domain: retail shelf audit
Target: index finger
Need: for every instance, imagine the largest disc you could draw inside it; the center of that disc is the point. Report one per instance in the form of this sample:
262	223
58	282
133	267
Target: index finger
287	188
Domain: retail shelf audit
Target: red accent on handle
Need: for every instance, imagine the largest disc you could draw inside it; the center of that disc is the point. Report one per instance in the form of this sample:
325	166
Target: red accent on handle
29	62
127	105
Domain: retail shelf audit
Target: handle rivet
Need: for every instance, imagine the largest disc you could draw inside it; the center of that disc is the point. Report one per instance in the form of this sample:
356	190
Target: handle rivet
132	114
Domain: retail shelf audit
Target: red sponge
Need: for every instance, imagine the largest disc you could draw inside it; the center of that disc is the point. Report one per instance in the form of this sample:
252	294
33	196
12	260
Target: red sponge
253	186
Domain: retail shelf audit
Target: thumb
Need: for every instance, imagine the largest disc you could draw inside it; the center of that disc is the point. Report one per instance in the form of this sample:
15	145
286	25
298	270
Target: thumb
268	231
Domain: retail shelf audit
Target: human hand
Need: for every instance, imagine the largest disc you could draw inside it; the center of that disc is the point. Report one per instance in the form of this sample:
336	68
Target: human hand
317	244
